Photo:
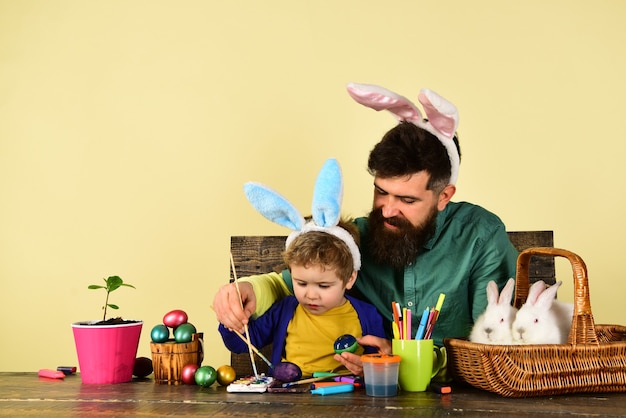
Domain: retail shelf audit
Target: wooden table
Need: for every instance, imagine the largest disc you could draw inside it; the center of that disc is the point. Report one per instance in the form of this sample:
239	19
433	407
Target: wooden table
26	394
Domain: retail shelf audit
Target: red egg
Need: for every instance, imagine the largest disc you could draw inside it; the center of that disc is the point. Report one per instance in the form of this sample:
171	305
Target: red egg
188	374
175	318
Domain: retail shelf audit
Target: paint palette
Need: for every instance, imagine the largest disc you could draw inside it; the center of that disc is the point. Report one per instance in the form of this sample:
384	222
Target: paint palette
251	384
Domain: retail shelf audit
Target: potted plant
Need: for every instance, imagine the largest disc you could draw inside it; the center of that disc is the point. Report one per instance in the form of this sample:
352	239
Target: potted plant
107	348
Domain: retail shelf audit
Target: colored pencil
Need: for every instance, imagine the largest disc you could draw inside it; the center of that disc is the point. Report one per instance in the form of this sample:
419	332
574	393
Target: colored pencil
429	332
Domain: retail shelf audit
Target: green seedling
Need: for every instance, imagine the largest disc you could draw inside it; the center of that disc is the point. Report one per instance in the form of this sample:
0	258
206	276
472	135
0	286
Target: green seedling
112	283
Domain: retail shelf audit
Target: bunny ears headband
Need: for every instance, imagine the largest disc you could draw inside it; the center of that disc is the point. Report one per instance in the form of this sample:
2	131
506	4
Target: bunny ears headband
443	117
326	208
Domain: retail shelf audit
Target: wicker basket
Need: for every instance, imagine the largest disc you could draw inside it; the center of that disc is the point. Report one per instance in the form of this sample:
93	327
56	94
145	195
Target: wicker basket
593	360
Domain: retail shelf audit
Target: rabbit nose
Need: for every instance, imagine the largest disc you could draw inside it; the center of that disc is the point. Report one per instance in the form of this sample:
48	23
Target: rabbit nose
488	331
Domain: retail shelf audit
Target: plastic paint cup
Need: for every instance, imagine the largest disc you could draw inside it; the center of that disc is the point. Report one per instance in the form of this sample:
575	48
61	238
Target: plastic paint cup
381	374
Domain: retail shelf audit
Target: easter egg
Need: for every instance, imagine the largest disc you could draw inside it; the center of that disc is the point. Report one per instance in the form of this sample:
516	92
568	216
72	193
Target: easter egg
205	376
188	374
226	375
286	371
175	318
184	333
142	367
160	333
347	343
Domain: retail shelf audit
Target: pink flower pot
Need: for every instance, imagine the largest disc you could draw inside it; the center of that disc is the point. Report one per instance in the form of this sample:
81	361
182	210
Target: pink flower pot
106	353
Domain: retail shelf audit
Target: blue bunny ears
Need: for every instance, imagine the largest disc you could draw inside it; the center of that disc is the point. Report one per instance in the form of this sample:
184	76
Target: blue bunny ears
325	210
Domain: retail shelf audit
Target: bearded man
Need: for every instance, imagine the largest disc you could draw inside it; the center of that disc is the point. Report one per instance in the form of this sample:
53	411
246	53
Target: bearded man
416	243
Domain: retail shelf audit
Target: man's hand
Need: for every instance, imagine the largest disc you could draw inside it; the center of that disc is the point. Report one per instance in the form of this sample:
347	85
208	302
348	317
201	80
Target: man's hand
353	362
227	305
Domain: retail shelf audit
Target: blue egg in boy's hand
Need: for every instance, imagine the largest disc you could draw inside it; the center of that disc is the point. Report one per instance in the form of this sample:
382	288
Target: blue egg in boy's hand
347	343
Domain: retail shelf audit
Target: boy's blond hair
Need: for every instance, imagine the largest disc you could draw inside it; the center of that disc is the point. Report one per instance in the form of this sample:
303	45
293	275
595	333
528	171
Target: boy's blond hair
316	248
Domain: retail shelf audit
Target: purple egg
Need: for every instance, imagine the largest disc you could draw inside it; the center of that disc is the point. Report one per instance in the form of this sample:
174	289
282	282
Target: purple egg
286	371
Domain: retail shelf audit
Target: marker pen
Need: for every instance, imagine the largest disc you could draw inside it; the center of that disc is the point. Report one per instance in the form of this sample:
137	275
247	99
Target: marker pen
67	369
331	390
440	388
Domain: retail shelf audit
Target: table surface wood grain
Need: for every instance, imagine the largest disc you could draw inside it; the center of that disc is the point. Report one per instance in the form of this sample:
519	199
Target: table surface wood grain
26	394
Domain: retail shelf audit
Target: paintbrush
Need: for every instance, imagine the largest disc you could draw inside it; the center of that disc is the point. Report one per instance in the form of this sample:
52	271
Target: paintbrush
316	379
256	350
245	326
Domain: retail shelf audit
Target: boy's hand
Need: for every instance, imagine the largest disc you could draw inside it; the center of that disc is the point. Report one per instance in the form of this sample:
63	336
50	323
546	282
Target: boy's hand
353	362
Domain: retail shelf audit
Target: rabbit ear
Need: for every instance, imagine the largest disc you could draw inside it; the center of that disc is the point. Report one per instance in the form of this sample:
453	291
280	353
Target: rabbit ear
327	195
492	293
379	98
442	114
547	296
507	292
273	206
535	291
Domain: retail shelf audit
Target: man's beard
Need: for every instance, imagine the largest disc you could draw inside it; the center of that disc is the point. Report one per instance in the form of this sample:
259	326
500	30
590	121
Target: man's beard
398	247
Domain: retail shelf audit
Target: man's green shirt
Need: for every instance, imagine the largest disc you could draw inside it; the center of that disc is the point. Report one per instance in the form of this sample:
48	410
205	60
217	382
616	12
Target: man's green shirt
470	247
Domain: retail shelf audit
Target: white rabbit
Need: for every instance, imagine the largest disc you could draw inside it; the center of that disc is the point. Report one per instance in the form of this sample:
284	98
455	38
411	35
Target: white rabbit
494	325
543	319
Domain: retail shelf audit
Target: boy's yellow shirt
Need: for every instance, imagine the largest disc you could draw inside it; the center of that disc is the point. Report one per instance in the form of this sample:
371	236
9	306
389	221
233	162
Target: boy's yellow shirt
310	338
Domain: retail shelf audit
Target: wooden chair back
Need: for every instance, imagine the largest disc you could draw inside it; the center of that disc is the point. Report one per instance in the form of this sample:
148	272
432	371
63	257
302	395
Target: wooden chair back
263	254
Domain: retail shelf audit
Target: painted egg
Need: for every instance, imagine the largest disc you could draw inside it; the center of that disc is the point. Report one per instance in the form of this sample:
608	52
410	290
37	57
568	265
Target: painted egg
226	375
142	367
188	374
184	333
205	376
286	371
175	318
347	343
160	333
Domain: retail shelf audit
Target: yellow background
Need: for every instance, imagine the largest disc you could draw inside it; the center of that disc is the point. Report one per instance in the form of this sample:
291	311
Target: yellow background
127	129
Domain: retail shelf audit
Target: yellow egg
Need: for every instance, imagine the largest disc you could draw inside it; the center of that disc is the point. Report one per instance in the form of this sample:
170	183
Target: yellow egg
226	375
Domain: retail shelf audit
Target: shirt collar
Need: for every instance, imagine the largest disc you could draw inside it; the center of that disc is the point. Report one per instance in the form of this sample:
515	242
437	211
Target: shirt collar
441	220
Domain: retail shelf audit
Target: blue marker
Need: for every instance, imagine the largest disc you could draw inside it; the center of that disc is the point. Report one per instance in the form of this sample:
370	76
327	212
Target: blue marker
331	390
422	326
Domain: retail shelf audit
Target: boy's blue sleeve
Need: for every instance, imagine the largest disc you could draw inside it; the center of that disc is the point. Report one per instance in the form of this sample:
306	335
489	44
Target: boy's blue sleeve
261	330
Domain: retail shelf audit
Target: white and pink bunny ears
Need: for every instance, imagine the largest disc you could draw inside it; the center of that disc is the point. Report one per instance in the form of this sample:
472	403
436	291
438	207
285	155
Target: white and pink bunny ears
443	116
326	208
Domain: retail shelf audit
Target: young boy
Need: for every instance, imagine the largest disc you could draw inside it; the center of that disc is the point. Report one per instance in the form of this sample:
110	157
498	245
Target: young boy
304	327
